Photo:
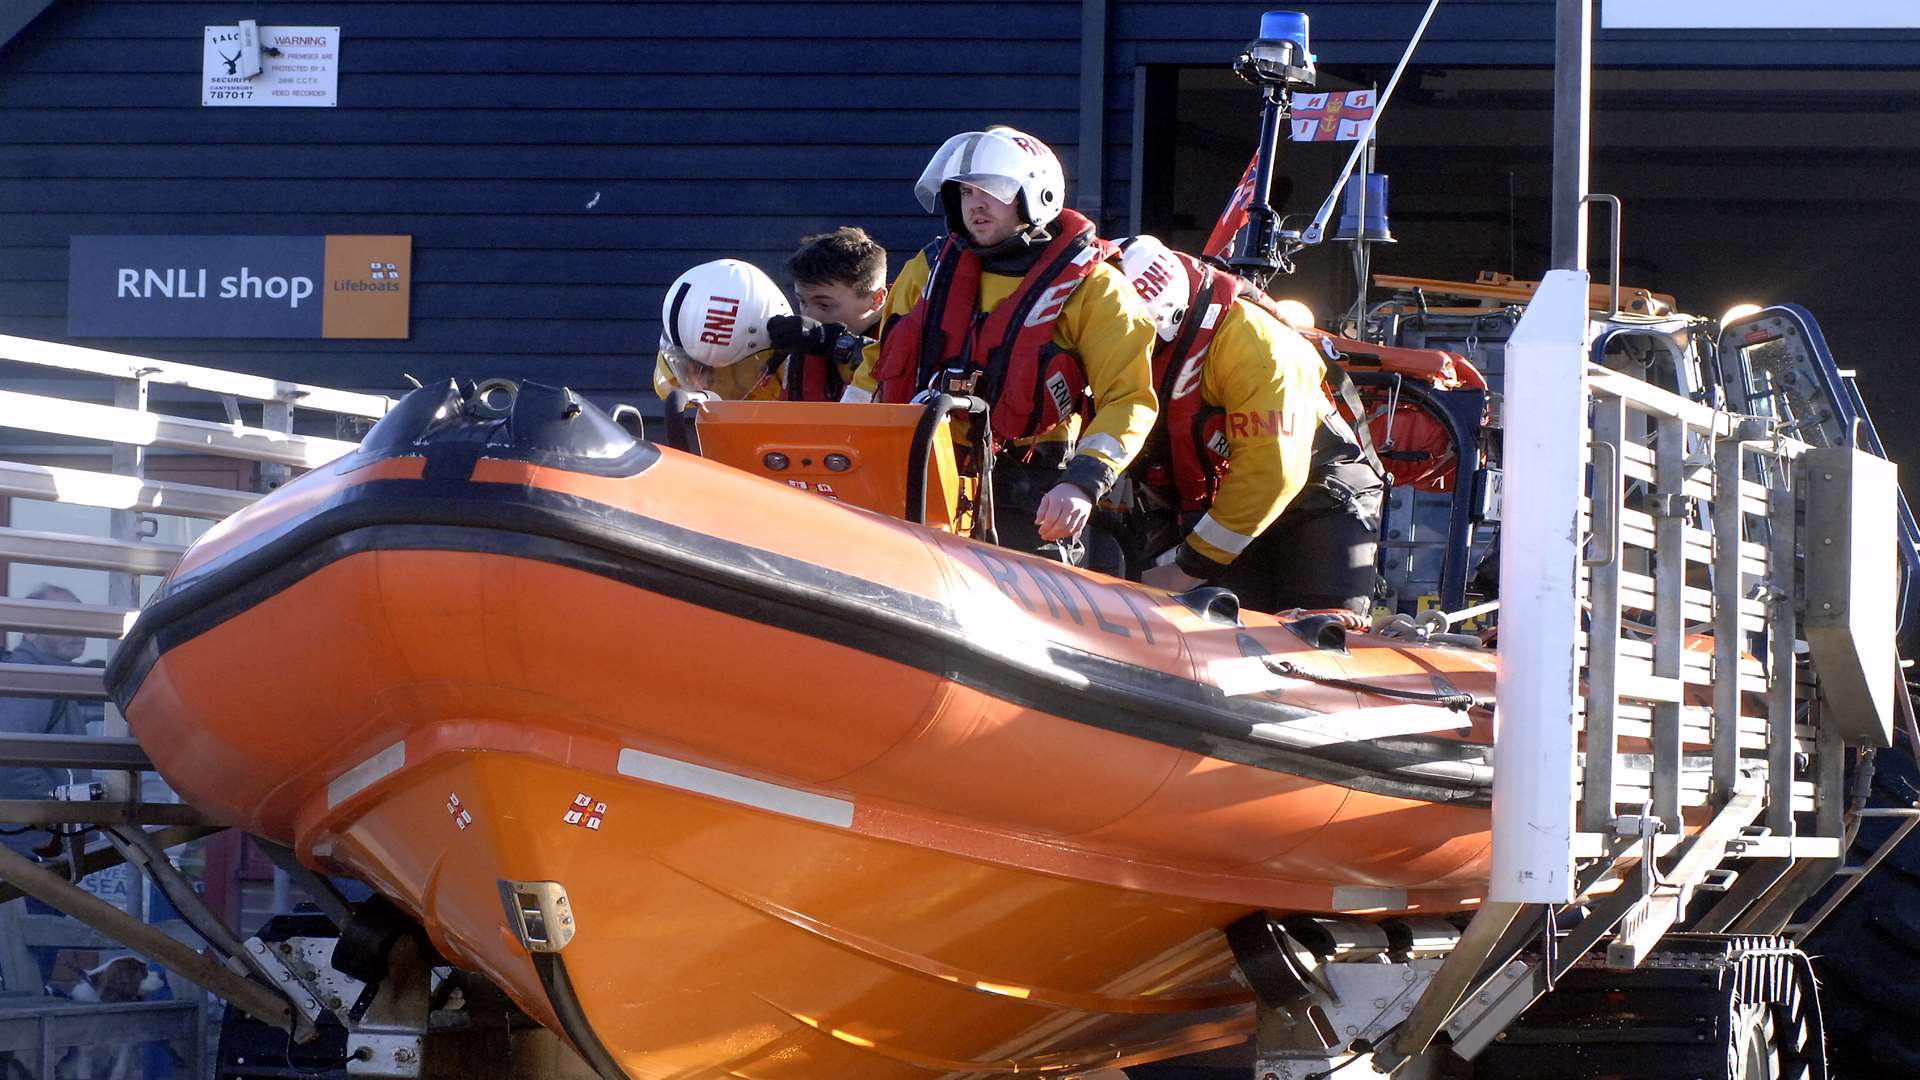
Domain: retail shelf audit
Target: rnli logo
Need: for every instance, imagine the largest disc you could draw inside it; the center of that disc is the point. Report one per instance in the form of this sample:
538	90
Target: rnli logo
380	277
1189	377
1026	144
585	812
1153	280
1245	424
1051	303
1061	393
1218	444
723	314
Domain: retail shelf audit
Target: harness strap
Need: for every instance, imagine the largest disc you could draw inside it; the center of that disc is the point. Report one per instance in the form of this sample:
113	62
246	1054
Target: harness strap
1348	394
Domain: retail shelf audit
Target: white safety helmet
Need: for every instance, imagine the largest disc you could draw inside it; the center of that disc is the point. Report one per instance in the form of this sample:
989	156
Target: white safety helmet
1005	164
716	313
1160	279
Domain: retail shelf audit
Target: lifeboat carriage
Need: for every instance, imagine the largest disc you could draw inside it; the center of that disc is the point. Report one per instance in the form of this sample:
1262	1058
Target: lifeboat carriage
737	755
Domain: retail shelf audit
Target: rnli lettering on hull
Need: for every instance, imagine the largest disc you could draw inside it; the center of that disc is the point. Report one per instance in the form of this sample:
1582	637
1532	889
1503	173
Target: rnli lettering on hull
1120	610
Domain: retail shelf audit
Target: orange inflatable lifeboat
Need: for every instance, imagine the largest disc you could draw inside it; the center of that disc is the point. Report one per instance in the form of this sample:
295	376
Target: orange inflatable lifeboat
717	777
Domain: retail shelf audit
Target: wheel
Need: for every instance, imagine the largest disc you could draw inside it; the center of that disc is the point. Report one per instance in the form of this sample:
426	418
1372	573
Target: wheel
1756	1051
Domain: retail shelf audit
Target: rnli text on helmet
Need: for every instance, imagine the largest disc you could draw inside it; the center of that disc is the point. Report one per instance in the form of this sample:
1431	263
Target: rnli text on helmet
1151	280
179	283
723	312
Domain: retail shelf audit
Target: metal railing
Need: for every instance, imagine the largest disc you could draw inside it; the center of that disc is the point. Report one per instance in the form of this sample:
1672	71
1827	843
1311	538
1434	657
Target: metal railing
45	1035
129	413
1690	540
1688	655
1706	763
130	429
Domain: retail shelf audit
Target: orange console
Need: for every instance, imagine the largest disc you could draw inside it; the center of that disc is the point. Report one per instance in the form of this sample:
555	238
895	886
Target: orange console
896	460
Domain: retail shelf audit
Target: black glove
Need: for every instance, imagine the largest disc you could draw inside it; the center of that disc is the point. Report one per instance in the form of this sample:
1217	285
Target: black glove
797	333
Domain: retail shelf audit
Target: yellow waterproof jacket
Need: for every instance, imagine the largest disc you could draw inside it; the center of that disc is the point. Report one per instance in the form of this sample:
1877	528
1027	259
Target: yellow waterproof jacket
1267	379
1103	324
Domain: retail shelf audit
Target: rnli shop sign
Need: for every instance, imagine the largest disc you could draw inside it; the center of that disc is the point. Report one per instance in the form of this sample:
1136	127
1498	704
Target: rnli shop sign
239	286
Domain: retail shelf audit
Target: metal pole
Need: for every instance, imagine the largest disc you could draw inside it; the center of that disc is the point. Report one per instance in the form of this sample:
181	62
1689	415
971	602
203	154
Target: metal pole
1449	984
1257	254
94	860
123	591
266	1005
1362	250
1572	130
1091	197
1319	227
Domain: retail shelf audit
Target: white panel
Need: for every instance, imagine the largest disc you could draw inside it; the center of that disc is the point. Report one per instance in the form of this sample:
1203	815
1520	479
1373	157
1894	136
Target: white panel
366	774
735	788
1361	898
1358	725
1533	763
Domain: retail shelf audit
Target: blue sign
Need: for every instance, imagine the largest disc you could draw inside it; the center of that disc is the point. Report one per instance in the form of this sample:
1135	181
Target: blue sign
238	286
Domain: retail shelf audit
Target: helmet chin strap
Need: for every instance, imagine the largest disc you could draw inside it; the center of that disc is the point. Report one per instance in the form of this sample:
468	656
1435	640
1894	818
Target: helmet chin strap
1014	255
1027	235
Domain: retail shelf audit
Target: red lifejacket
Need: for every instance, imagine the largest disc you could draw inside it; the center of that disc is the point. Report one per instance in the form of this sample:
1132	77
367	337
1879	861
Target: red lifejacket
1007	355
812	378
1192	454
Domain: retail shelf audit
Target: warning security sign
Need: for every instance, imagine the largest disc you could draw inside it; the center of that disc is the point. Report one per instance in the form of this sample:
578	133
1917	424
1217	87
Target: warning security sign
298	66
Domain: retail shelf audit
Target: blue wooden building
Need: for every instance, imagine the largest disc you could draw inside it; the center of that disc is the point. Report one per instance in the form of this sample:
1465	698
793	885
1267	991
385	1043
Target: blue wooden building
558	163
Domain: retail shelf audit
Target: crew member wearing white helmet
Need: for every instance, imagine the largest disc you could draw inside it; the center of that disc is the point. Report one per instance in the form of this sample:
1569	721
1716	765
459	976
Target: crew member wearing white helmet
1269	484
1018	305
714	335
840	286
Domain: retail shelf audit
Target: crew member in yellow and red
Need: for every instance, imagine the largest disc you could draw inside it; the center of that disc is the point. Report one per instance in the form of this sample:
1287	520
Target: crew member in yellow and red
714	333
1271	487
1018	305
840	286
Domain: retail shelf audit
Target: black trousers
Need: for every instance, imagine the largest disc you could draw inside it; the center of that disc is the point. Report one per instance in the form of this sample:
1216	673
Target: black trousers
1018	487
1320	552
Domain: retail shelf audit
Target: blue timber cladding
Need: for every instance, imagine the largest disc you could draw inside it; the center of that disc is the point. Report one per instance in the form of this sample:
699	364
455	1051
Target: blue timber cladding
556	163
559	162
1506	33
1372	34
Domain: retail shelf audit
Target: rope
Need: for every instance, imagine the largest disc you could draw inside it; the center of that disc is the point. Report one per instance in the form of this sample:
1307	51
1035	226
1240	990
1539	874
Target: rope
1458	702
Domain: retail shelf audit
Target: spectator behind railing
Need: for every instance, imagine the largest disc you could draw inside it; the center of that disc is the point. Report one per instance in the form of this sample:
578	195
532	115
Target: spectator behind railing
43	716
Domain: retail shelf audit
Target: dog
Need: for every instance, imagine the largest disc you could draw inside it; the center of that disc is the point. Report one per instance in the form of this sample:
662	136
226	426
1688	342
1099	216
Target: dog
122	979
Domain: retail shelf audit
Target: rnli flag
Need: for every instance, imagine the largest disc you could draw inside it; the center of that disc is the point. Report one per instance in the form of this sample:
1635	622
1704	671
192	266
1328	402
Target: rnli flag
1332	117
1220	241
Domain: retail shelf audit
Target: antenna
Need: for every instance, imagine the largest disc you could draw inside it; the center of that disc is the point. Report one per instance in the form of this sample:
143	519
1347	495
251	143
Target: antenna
1360	145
